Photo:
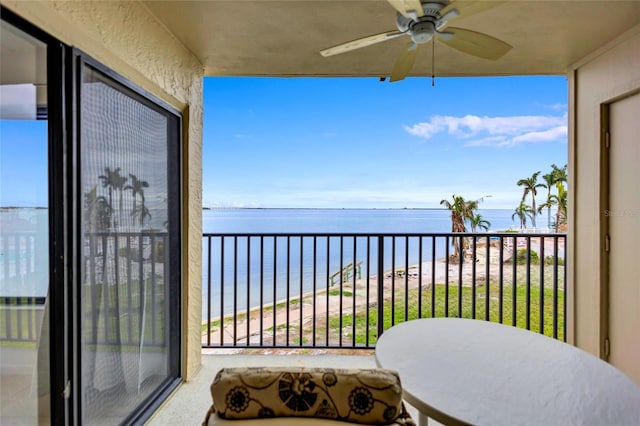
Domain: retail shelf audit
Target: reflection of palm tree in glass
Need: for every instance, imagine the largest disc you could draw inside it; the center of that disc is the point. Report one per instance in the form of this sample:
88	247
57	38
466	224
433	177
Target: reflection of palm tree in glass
109	307
97	211
143	213
137	188
112	180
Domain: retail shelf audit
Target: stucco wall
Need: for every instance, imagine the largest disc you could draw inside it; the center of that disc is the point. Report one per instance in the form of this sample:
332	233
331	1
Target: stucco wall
126	37
610	73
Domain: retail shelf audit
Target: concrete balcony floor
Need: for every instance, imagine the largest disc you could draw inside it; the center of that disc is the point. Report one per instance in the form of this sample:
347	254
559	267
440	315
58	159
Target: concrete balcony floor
190	402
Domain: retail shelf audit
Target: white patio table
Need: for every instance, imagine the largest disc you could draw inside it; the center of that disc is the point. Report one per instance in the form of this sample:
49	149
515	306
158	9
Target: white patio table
462	371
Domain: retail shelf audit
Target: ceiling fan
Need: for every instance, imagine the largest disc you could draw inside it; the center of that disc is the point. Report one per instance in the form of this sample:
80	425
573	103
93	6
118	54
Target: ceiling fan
425	20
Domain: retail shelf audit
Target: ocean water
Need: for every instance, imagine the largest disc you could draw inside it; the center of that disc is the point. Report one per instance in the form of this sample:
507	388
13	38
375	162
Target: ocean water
245	271
342	220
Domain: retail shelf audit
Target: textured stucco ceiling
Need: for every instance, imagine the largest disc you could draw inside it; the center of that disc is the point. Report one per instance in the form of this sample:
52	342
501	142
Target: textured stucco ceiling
283	37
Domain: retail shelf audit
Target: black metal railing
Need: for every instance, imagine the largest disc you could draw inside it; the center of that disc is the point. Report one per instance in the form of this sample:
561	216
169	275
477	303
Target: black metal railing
20	318
23	255
343	290
24	272
124	288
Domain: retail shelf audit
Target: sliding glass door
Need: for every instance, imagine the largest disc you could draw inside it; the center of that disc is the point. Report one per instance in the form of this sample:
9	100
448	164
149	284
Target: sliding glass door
24	230
129	246
90	199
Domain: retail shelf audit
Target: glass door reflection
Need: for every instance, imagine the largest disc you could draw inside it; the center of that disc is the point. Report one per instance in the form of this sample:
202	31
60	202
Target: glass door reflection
24	230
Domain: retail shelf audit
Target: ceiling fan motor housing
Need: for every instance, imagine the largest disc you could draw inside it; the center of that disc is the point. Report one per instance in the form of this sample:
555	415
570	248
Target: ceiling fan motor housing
422	28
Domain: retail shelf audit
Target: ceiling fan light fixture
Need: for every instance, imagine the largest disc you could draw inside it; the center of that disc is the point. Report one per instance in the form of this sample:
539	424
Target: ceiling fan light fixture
422	31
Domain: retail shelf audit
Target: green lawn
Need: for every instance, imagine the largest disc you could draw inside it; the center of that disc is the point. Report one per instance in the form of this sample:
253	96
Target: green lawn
406	308
460	304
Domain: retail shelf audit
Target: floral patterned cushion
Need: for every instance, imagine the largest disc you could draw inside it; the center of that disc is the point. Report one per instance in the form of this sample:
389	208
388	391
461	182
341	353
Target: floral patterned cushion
365	396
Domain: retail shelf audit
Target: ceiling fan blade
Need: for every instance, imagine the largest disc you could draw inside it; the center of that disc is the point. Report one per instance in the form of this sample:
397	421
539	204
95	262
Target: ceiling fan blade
404	63
476	44
361	42
408	8
468	8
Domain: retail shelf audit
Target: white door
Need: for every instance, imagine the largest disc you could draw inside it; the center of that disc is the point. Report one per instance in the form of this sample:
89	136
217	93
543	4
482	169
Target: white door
624	230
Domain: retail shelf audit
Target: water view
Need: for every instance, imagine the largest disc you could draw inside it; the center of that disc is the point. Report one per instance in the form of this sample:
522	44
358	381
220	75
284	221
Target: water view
343	220
261	270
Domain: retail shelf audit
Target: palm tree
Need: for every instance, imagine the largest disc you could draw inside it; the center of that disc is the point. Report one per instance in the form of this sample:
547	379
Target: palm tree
137	188
523	211
560	201
113	181
461	211
559	175
477	221
549	182
530	186
458	212
561	213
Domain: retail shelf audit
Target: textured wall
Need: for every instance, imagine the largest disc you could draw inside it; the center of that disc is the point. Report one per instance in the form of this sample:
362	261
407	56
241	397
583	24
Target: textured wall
126	37
608	74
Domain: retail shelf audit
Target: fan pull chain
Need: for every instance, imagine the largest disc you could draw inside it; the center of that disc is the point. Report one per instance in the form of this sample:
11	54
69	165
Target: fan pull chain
433	62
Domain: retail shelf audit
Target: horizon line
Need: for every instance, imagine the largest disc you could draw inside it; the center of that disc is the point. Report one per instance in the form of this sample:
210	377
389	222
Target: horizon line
335	208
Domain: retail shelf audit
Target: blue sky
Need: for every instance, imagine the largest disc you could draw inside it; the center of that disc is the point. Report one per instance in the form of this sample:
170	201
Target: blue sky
349	142
358	142
23	163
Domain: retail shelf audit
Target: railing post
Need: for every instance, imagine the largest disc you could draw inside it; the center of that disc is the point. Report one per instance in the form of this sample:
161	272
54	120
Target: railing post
380	285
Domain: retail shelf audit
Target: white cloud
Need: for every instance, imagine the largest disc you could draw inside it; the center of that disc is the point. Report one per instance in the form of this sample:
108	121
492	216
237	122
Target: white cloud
489	141
494	131
553	134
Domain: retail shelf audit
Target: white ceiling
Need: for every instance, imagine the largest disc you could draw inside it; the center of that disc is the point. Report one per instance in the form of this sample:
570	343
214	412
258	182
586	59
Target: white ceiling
23	76
283	37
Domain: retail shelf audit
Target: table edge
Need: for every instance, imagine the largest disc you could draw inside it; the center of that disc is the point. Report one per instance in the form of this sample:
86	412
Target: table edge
426	409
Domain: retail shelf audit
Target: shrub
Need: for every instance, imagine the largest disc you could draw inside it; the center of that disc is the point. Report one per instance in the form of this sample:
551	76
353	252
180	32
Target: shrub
521	257
548	260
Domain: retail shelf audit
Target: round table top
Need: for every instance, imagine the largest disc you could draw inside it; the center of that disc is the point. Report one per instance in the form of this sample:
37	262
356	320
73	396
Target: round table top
471	371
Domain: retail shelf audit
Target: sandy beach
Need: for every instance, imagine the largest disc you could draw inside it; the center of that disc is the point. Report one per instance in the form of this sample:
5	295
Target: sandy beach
352	296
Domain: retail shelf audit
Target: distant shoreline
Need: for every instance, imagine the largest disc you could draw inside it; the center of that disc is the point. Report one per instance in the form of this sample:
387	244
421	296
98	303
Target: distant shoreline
331	208
11	208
